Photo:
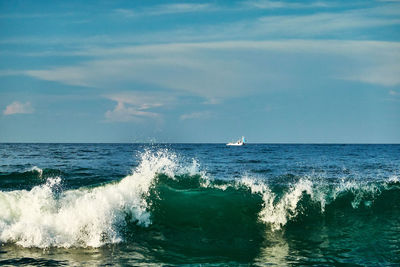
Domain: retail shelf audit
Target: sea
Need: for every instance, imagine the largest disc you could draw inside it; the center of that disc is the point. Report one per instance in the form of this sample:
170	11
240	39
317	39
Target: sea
199	205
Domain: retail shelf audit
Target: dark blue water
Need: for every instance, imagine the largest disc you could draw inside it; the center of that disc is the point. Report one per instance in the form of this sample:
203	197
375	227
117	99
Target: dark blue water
174	204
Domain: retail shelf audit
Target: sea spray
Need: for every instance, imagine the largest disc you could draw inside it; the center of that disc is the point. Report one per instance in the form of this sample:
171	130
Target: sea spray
277	209
84	217
195	204
37	170
174	201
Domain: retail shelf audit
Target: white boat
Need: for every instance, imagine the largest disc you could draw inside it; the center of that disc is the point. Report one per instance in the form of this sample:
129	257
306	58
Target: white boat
239	142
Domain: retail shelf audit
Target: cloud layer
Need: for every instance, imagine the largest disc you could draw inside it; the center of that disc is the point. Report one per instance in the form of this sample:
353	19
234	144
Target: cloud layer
289	70
233	68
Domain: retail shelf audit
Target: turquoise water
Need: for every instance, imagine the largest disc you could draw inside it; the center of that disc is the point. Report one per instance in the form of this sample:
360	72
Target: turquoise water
177	204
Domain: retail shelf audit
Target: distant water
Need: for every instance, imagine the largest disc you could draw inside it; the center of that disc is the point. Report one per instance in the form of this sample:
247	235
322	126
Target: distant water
260	205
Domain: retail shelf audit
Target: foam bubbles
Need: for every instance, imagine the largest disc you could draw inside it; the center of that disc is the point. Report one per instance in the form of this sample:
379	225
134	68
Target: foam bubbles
38	170
394	179
44	217
277	211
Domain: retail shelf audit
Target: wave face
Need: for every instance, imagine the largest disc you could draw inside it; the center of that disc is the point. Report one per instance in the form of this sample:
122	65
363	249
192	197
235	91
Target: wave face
171	210
47	216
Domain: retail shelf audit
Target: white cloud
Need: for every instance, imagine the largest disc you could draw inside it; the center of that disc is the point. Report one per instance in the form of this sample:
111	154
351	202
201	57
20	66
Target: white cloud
180	8
136	106
350	23
66	75
196	115
320	23
124	113
266	4
220	70
212	101
387	75
125	12
164	10
17	107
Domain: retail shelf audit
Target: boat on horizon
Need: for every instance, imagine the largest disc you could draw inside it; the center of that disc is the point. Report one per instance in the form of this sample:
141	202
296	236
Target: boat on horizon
239	142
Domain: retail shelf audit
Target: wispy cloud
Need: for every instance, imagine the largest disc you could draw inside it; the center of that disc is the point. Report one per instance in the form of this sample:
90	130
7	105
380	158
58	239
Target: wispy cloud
180	8
123	113
348	23
67	75
135	106
196	115
220	70
212	101
394	93
164	9
17	107
387	75
323	23
124	12
266	4
328	22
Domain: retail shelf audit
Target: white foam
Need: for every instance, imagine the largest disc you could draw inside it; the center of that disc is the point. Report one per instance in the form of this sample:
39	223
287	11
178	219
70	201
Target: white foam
84	217
277	211
359	189
393	179
38	170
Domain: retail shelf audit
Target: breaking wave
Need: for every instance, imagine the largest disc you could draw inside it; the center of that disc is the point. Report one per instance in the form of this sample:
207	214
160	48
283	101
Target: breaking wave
164	200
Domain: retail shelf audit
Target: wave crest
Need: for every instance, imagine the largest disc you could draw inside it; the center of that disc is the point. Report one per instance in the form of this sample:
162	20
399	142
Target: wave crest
280	208
45	216
170	198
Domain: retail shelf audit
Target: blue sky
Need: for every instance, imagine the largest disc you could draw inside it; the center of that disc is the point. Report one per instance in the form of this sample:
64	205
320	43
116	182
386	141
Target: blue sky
200	71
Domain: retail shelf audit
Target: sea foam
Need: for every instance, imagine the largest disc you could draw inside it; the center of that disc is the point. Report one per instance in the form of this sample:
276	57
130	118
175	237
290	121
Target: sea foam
277	210
38	170
46	216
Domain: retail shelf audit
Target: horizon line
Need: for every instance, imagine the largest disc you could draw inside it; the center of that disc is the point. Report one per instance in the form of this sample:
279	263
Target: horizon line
206	143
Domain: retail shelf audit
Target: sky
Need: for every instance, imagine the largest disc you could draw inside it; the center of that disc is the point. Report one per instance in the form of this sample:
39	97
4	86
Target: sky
200	71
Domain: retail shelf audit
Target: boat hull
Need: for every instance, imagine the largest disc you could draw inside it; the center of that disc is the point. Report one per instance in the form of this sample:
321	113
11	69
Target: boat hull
232	144
239	142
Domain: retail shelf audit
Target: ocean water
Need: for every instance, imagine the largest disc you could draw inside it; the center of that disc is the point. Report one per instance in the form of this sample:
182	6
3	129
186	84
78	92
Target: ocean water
199	204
